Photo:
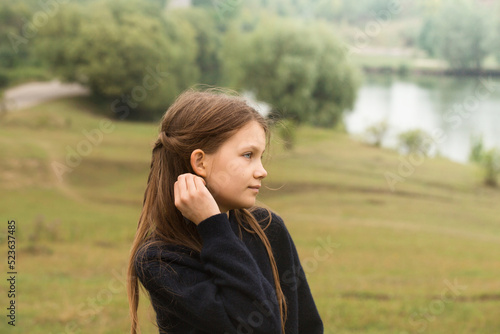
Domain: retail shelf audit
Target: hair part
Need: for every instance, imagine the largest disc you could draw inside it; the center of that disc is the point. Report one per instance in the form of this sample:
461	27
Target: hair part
196	120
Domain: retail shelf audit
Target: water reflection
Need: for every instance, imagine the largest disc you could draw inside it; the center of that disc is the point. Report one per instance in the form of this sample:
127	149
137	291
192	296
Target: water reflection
459	108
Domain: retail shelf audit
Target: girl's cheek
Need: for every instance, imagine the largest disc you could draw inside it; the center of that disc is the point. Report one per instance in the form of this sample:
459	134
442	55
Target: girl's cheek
219	180
233	168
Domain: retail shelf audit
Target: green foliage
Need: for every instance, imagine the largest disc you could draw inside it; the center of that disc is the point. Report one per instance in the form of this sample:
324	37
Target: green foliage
4	78
460	32
364	9
126	52
477	150
223	11
15	52
490	161
301	70
208	40
331	10
427	36
414	141
12	21
375	134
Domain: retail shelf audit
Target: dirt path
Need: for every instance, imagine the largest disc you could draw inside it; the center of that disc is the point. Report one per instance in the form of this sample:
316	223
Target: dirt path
30	94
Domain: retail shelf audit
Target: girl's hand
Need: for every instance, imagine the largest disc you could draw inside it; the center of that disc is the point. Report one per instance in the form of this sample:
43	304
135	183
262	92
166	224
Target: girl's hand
193	199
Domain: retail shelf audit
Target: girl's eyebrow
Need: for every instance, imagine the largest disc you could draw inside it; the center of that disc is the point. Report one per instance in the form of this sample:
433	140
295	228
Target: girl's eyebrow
252	147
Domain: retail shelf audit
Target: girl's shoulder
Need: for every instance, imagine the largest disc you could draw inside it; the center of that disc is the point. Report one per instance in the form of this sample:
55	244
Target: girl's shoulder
157	250
266	216
272	224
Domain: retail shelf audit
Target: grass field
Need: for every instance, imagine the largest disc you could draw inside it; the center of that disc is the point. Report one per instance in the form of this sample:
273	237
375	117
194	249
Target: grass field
420	259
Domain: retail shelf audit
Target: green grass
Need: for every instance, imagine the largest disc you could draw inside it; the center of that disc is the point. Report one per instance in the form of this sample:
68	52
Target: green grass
377	260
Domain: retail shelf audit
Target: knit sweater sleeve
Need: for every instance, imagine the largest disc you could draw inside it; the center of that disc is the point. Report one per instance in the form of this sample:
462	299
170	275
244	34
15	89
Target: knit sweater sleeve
219	296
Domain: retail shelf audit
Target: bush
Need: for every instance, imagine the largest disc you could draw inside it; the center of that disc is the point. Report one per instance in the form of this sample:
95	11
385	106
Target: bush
477	150
376	133
413	141
490	161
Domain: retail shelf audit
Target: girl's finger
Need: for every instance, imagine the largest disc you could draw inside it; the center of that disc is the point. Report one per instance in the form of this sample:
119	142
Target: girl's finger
199	182
176	191
192	182
203	180
184	178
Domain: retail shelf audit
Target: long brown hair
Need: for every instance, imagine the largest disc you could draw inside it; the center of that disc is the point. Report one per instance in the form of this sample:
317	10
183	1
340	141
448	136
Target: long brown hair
196	120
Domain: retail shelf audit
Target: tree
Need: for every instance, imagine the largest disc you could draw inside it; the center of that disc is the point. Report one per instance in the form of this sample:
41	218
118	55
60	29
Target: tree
427	37
126	52
301	70
460	32
12	42
16	34
208	57
222	11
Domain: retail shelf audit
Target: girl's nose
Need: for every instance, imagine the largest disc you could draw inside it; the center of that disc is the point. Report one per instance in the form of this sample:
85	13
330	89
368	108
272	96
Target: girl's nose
260	172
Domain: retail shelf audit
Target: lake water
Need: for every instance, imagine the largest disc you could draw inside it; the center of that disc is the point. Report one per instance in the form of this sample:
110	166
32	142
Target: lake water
450	109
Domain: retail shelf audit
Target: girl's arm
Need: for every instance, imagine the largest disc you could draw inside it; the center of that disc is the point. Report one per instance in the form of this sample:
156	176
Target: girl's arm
229	294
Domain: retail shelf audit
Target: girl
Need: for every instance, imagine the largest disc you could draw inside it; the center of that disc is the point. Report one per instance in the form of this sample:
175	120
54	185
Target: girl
210	264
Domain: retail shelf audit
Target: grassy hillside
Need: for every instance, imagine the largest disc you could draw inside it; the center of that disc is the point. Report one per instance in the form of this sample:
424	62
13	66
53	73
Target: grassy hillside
423	258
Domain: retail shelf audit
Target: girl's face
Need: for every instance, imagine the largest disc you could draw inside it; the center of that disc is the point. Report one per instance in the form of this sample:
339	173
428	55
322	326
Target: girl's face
235	171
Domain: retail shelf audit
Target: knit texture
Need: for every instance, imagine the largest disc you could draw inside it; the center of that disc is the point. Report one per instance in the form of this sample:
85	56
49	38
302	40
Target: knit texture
228	288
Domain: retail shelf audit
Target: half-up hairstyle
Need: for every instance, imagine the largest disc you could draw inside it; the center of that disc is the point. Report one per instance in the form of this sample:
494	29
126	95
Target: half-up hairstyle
196	120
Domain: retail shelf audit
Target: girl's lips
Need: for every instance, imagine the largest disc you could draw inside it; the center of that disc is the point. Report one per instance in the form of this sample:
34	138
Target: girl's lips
255	188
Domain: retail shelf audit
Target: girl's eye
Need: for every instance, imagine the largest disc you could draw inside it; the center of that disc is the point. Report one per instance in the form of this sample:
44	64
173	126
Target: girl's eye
247	155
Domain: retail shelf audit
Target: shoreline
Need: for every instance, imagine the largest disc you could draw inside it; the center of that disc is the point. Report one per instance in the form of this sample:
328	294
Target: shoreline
406	70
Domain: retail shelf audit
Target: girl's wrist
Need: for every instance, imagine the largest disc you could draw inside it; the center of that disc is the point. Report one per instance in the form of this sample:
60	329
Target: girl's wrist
206	217
213	225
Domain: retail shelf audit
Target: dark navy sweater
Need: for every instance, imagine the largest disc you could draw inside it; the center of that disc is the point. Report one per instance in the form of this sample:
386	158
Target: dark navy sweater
228	288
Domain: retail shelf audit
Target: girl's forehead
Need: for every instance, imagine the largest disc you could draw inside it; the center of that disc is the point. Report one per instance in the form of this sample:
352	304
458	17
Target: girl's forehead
252	134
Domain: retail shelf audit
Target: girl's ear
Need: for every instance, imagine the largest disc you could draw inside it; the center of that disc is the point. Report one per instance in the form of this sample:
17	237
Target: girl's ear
199	162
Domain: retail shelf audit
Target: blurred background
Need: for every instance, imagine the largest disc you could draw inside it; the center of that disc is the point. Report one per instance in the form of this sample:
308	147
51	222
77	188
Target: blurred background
384	160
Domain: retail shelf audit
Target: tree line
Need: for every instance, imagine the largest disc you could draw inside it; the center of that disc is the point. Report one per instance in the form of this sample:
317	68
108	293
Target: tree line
137	56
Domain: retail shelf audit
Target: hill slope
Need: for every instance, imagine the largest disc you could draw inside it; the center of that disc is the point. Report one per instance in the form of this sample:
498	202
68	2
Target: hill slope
420	258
